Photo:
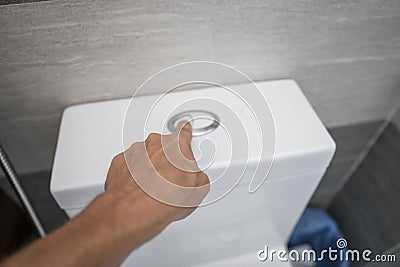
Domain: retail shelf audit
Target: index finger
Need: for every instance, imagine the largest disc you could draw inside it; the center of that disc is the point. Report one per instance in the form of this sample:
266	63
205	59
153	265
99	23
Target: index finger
184	131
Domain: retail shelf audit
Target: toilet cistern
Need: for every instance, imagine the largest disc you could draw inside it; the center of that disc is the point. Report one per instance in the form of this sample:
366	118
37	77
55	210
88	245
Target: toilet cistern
231	229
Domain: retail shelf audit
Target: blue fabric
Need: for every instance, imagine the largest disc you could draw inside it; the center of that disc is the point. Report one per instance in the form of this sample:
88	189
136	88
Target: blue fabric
317	229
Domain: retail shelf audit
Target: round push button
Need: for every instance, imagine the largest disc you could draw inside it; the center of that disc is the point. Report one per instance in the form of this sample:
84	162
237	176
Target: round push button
203	122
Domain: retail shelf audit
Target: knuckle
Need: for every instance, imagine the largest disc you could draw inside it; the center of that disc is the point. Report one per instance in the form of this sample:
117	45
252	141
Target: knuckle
107	184
117	158
135	146
158	157
153	137
204	179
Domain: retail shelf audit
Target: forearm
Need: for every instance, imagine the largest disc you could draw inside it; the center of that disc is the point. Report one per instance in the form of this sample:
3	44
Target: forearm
124	217
97	237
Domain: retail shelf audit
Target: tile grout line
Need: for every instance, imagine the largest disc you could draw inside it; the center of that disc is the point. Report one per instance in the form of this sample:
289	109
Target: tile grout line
369	146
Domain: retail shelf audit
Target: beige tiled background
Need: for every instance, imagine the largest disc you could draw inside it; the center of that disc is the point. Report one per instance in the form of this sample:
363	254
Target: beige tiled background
344	54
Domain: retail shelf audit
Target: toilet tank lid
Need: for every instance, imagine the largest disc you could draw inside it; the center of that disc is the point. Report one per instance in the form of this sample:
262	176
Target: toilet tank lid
91	134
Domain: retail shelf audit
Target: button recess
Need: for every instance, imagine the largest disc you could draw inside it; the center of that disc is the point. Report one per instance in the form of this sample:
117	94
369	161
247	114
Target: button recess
193	116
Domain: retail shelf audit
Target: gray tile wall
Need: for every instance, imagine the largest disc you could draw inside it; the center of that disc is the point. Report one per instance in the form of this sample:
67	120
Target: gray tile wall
37	187
352	143
11	2
396	119
367	208
345	55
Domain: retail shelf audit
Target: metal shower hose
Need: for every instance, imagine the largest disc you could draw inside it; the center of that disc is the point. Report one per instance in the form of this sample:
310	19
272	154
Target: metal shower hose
12	177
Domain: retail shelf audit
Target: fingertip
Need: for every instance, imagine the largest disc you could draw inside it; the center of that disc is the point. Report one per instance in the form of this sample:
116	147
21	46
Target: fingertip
185	128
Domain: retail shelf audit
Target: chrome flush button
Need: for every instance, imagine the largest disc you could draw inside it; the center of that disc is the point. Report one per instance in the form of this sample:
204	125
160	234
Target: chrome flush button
203	122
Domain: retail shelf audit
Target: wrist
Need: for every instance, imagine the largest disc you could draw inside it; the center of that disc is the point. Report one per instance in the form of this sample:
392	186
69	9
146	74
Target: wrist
128	217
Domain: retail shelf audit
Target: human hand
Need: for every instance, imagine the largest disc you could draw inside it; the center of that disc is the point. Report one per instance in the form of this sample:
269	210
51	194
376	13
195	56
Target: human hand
157	157
124	216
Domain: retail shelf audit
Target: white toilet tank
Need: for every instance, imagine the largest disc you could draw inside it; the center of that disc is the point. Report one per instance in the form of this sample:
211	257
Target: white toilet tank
232	229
